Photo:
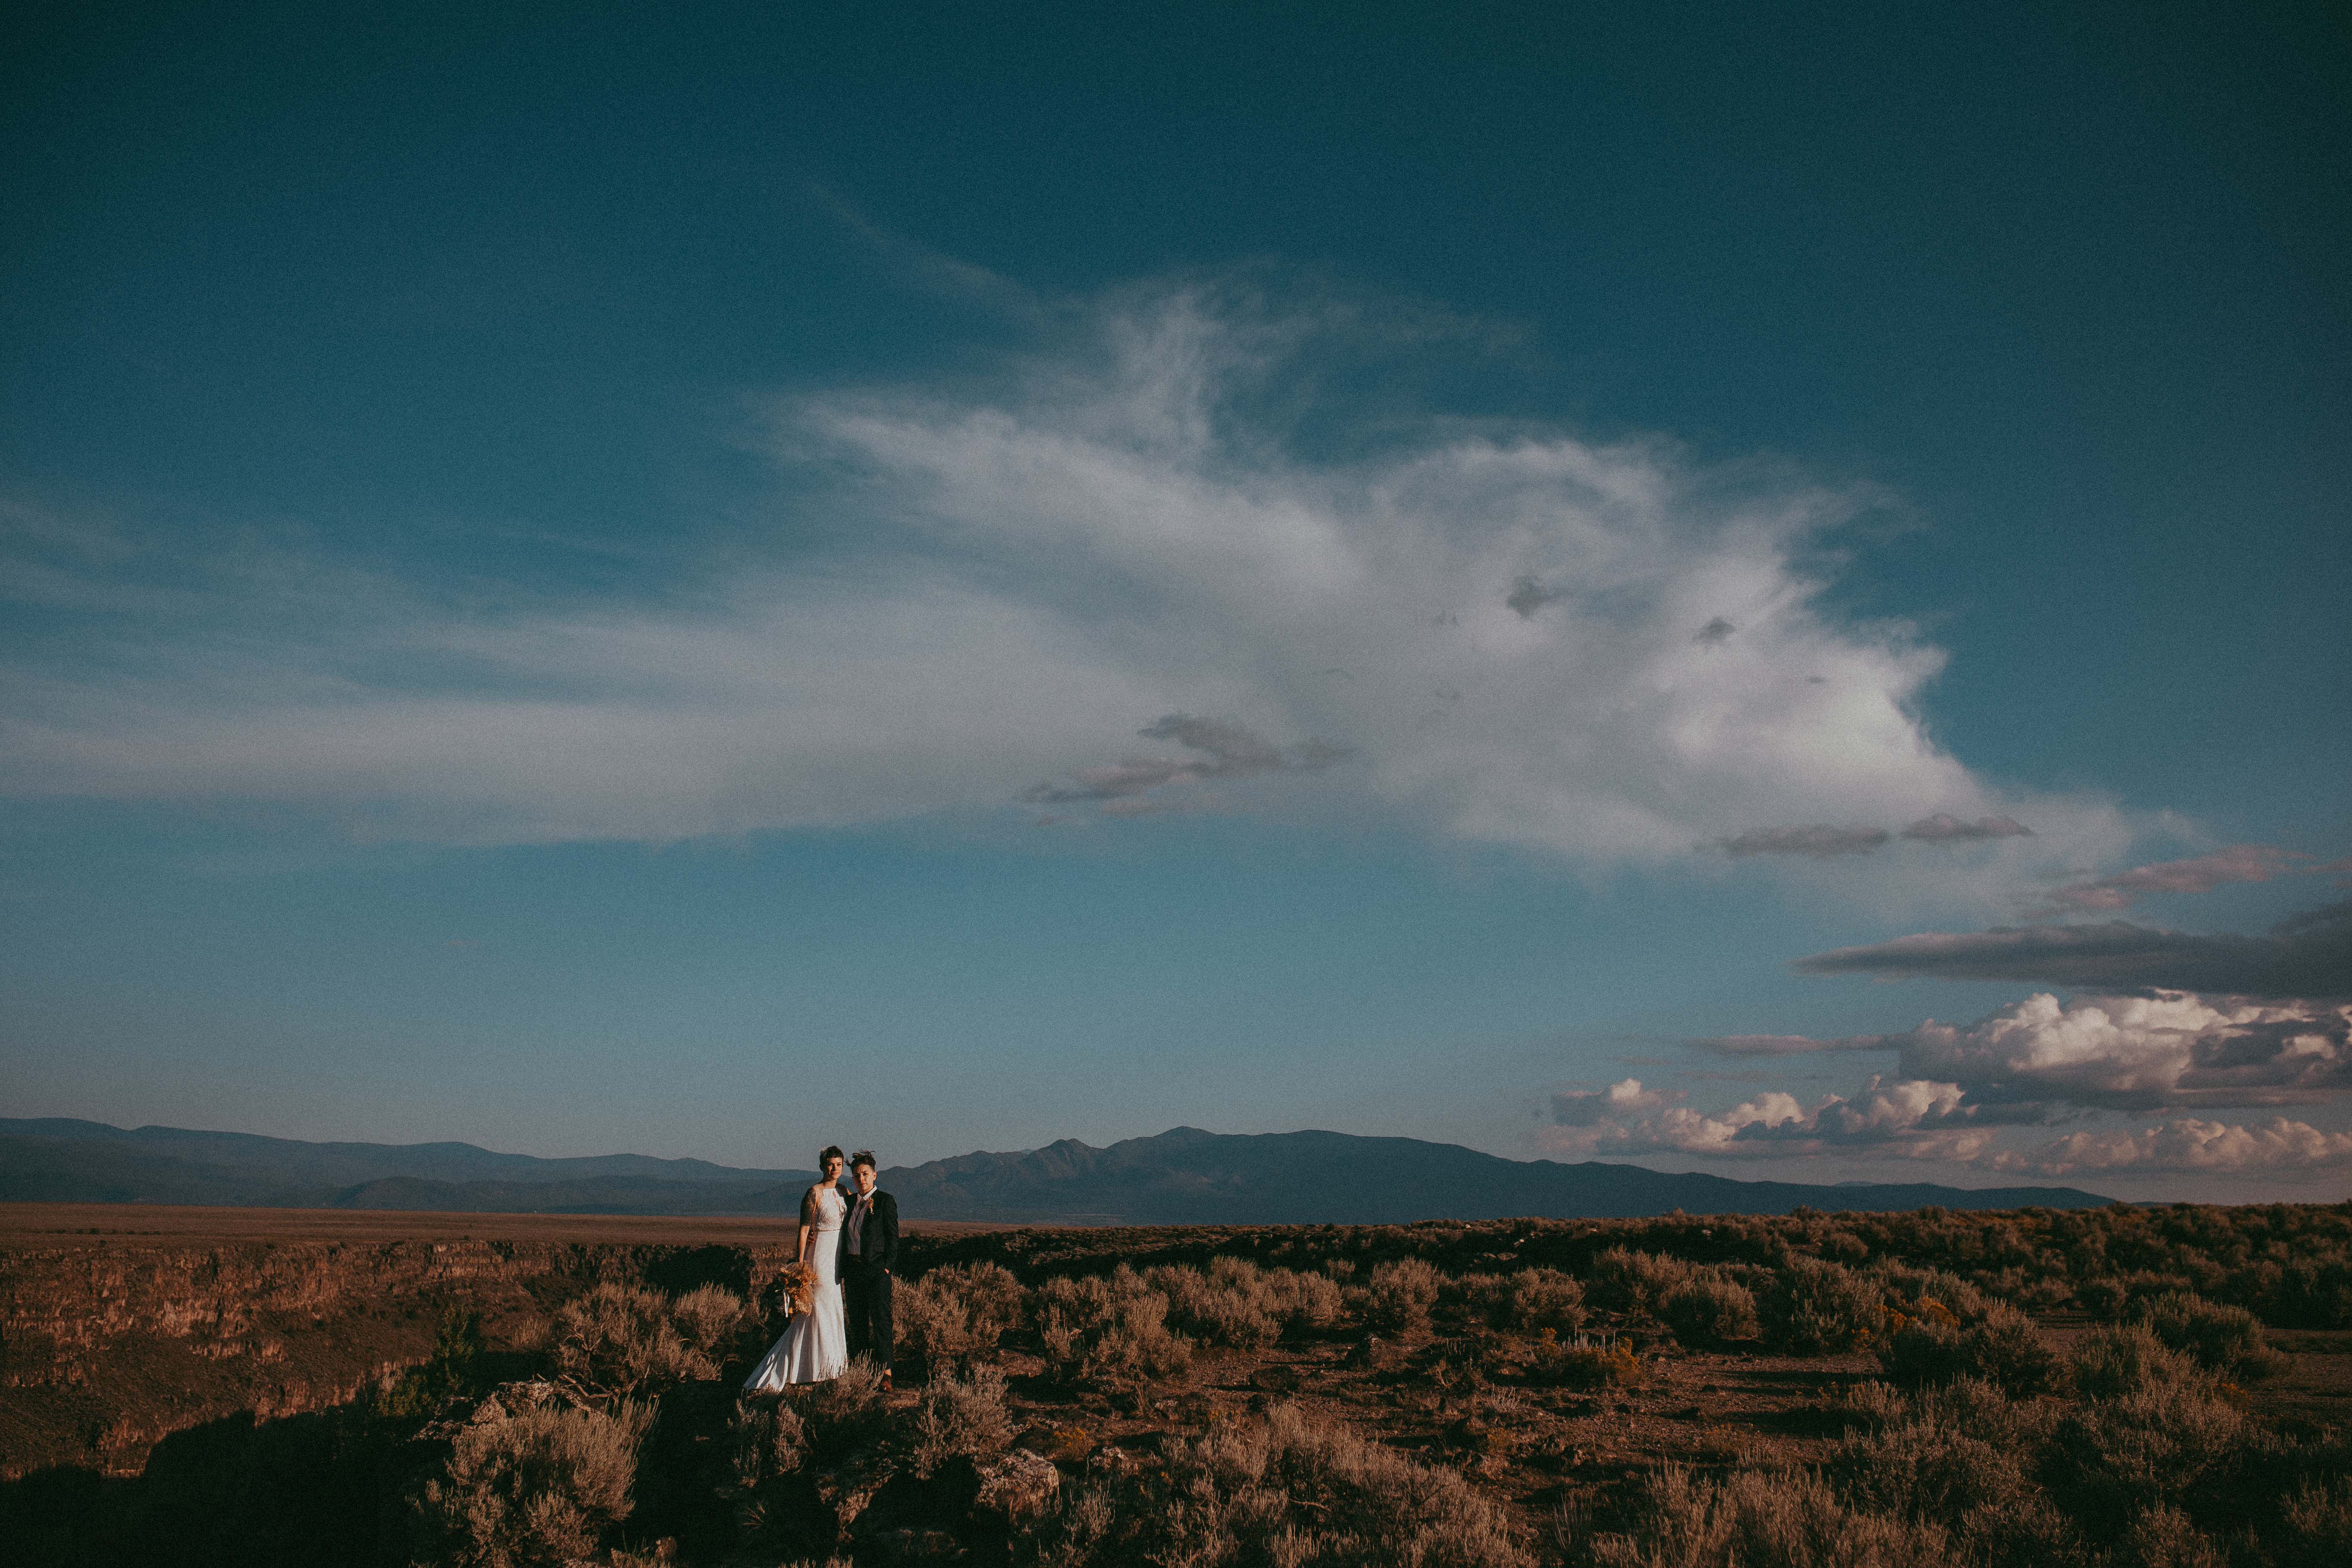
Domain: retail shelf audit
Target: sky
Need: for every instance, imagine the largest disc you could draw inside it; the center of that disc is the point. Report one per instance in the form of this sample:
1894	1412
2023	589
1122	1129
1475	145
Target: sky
1756	590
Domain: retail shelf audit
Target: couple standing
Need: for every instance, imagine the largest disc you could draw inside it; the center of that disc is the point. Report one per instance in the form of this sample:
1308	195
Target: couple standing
848	1245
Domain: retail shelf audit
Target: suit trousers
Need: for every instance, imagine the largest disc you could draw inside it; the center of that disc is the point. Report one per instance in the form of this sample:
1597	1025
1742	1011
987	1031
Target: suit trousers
865	1298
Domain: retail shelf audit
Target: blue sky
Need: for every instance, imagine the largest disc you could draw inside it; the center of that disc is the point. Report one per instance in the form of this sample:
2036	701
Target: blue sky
709	580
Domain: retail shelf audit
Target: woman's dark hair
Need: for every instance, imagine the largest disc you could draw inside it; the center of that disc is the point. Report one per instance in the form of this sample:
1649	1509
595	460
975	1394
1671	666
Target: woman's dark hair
831	1152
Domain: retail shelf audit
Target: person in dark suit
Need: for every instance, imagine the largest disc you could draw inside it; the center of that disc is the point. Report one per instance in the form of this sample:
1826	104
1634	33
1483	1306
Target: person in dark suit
869	1251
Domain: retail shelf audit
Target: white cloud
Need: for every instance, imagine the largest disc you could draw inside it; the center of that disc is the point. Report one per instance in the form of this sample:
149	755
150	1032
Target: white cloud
1513	636
1591	1107
2171	1048
1960	1094
1900	1118
2191	1145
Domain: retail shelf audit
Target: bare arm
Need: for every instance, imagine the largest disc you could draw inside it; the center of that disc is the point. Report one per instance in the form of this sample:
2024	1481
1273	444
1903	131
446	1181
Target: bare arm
808	1220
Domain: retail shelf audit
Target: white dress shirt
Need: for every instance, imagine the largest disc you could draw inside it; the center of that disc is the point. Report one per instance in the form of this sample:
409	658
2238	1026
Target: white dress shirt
857	1223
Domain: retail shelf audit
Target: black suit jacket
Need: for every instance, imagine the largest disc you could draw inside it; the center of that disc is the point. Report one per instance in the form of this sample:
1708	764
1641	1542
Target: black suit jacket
878	1246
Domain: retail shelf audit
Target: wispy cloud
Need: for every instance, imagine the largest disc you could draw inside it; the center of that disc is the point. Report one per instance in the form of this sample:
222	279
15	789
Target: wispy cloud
1116	529
2307	955
1819	841
2239	863
1945	828
1229	751
1792	1044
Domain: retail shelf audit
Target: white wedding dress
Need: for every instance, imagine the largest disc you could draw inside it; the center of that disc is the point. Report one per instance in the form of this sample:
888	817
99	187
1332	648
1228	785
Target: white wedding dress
815	1346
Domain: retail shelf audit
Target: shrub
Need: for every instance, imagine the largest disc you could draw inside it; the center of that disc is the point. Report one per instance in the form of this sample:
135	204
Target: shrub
708	1318
2319	1527
1932	1470
1872	1405
1752	1519
2112	1459
2113	1363
957	1314
1963	1456
1811	1307
1981	1409
542	1487
1709	1309
2003	1348
843	1415
1398	1295
2116	1295
1228	1305
768	1439
962	1418
1929	1291
2222	1340
618	1341
1303	1300
1288	1489
769	1497
1622	1280
1585	1364
1483	1297
1546	1298
453	1370
1112	1331
2166	1538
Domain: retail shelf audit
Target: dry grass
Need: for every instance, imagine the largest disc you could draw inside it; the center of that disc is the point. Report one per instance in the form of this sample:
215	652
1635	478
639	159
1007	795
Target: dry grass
1709	1309
1759	1520
1398	1295
1235	1303
1544	1298
620	1341
1689	1390
2224	1340
2002	1346
1583	1363
2319	1526
534	1489
1112	1330
954	1314
1288	1489
1813	1306
959	1419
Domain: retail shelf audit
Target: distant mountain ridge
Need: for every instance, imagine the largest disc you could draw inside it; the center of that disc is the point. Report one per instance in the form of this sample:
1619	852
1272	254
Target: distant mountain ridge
1187	1177
59	1160
1183	1176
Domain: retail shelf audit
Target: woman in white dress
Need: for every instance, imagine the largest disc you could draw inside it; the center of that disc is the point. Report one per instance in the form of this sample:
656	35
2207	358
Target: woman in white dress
815	1346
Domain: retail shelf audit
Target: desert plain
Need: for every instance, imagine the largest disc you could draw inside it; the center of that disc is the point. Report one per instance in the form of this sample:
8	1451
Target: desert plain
2124	1385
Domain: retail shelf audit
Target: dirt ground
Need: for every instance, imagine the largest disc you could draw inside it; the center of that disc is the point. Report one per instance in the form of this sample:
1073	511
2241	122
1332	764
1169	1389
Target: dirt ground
1551	1452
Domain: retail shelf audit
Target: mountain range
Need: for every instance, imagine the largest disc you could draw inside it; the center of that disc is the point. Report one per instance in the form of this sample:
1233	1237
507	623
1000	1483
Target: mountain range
1184	1176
